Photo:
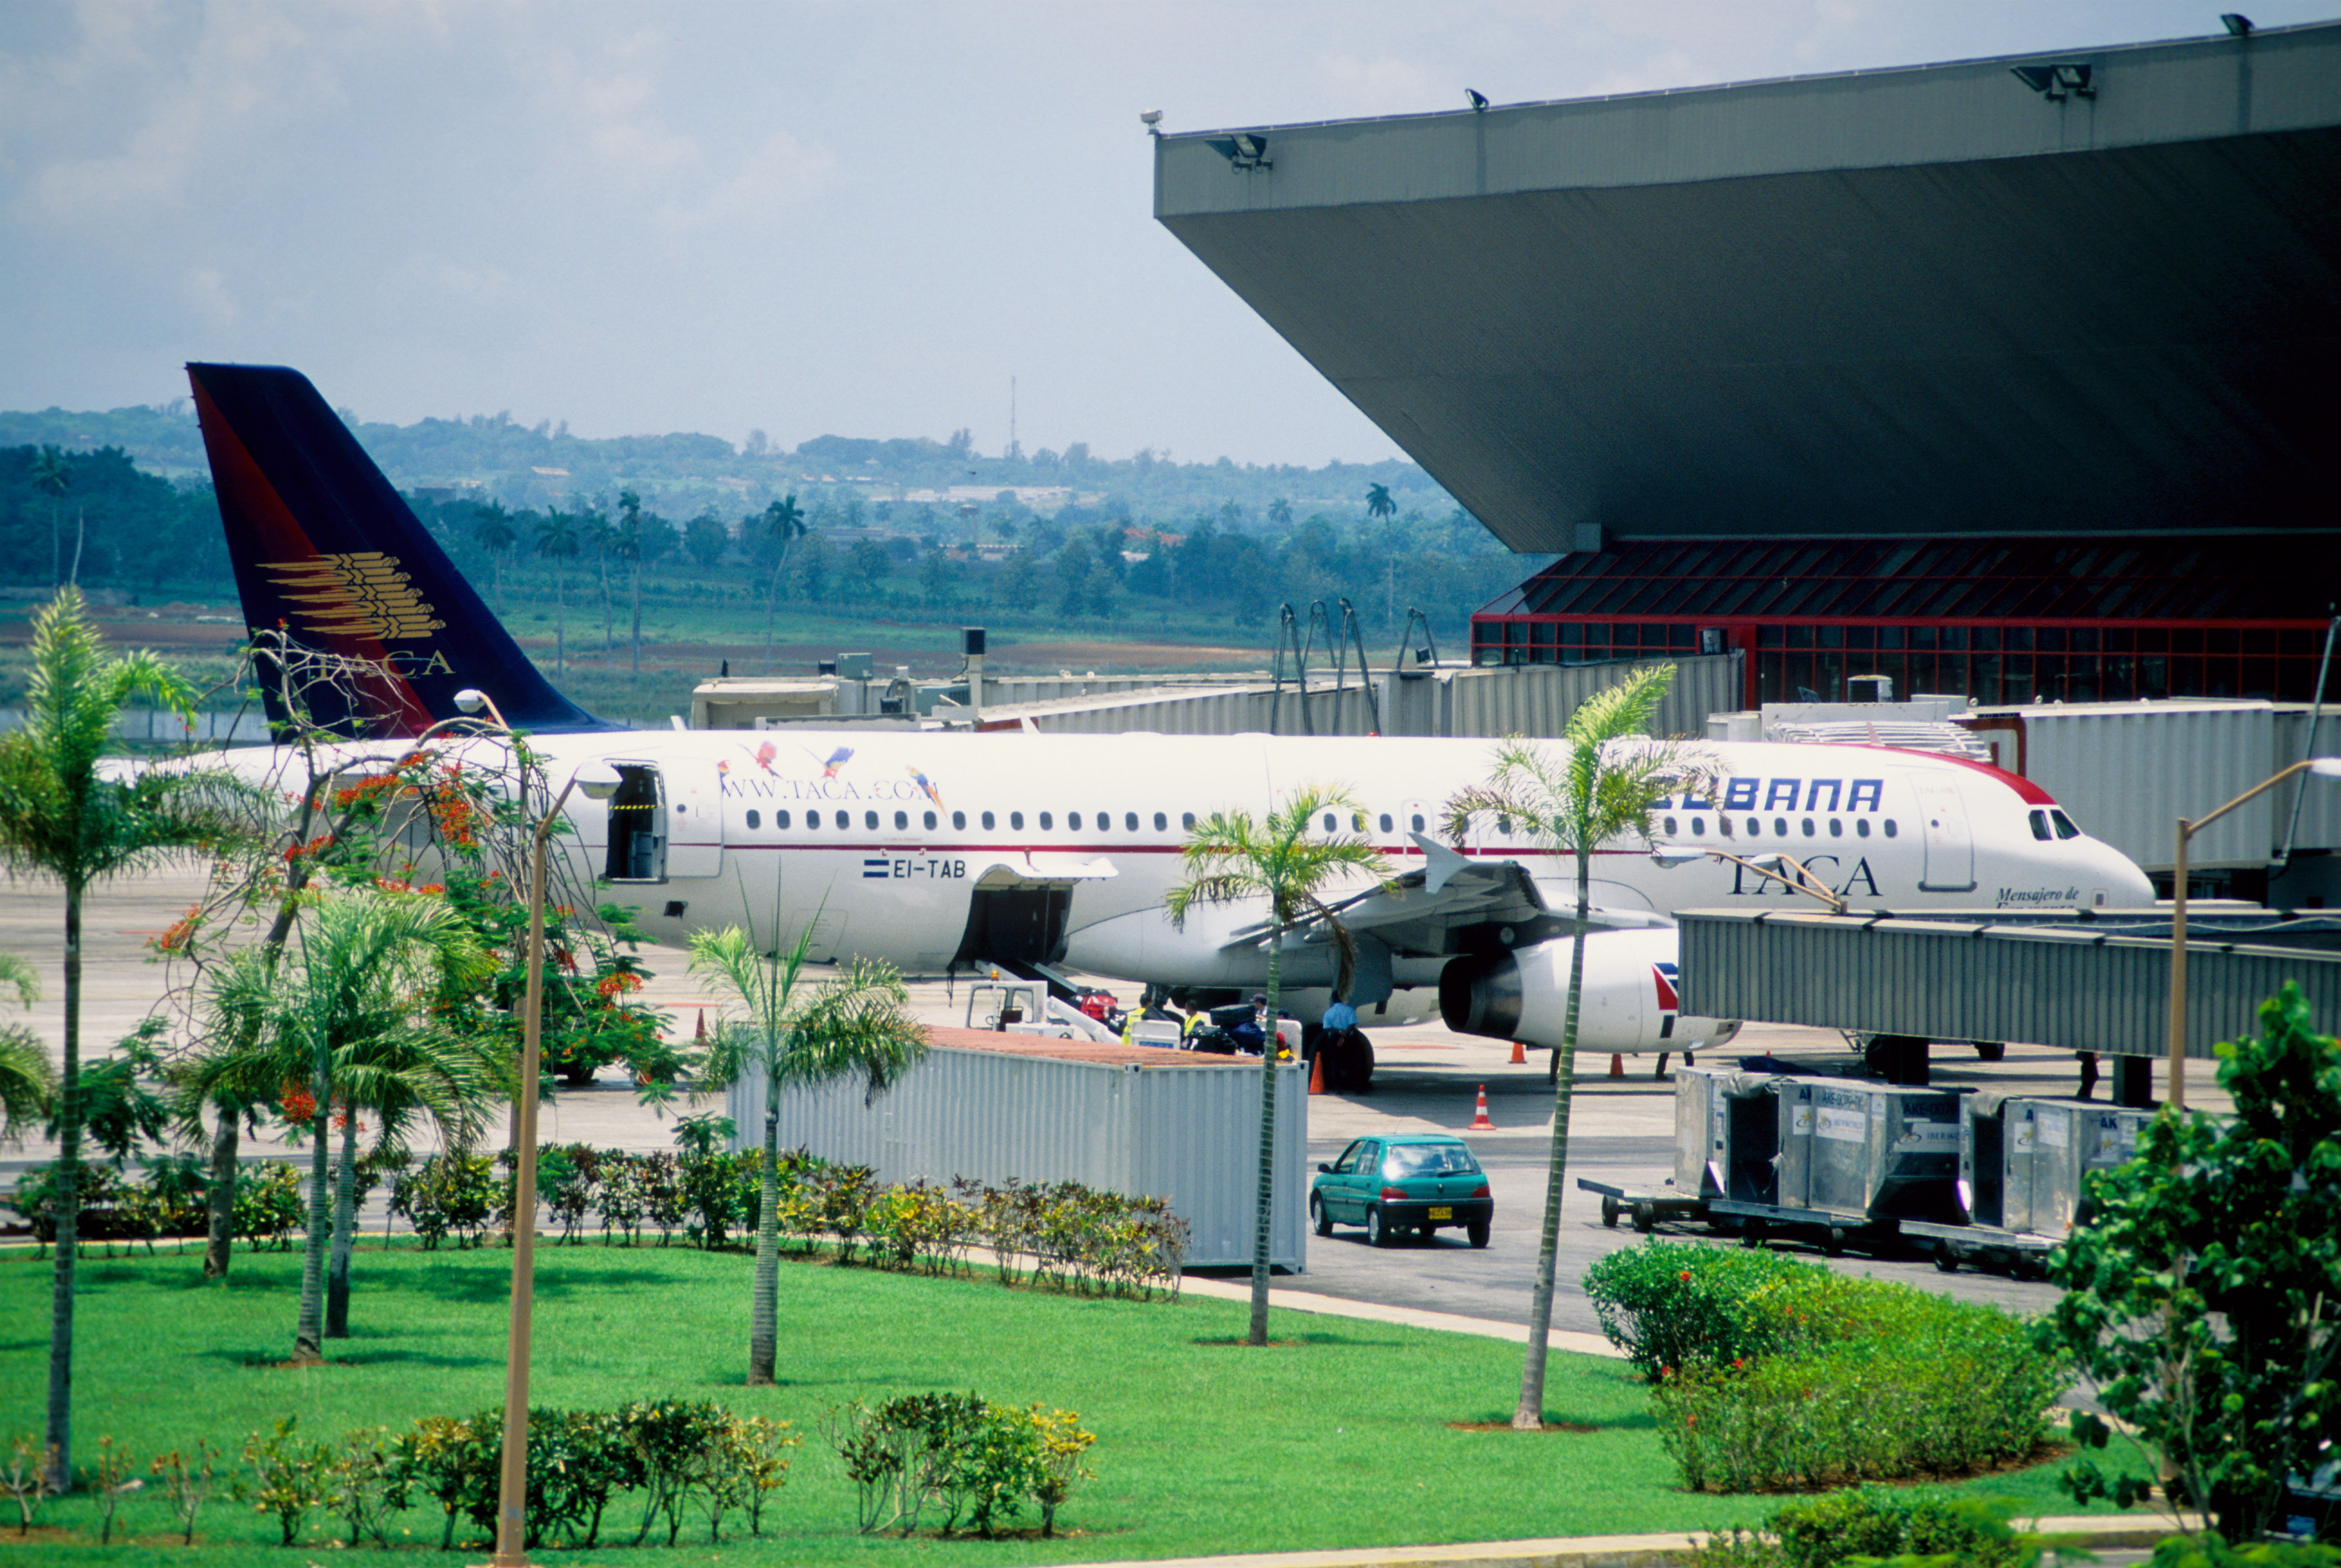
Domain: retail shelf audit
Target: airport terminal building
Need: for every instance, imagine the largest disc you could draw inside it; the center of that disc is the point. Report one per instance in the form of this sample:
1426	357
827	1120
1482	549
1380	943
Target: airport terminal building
2009	377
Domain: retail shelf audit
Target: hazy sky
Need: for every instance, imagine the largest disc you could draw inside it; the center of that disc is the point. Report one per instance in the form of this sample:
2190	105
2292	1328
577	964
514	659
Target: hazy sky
855	216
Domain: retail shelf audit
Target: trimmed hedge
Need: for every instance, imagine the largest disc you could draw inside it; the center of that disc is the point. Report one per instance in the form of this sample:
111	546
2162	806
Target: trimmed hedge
1769	1374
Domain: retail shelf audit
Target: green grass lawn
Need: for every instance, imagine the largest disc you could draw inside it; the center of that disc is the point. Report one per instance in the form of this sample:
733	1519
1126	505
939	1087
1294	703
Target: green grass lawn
1339	1437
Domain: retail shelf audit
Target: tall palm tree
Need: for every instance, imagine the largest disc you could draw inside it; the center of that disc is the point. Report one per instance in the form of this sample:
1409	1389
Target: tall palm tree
795	1032
1280	512
1289	862
1378	503
356	1011
1597	786
600	538
558	539
627	543
58	818
494	527
783	520
52	477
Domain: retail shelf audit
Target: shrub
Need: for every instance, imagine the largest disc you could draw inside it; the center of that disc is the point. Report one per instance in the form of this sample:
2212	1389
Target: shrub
1824	1532
960	1453
454	1192
290	1475
270	1207
1771	1373
1677	1304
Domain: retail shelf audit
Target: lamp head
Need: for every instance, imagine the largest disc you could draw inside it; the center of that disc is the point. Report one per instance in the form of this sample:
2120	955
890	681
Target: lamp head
2325	767
1672	855
599	781
471	699
1766	862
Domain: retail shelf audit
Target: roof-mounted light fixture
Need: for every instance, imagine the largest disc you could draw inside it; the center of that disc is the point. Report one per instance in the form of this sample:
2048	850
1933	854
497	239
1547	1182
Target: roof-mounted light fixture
1244	150
2059	80
2236	23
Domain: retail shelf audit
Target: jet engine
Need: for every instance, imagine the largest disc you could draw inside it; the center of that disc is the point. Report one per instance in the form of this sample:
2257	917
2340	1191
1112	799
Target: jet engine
1628	1002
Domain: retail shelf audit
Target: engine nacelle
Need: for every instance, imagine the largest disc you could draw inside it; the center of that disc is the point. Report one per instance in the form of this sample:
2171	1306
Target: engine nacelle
1628	1002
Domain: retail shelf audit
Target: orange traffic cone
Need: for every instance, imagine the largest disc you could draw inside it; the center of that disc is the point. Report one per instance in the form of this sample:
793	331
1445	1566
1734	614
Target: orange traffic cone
1617	1065
1479	1122
701	1036
1520	1054
1317	1073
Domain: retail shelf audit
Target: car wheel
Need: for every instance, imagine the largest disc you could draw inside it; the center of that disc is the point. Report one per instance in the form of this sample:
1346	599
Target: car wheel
1317	1212
1377	1233
1477	1231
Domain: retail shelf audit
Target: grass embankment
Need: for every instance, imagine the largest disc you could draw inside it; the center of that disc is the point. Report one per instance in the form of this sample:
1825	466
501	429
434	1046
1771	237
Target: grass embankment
1340	1436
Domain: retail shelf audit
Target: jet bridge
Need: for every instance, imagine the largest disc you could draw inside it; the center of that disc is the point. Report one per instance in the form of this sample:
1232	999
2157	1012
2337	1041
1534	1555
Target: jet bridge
2090	980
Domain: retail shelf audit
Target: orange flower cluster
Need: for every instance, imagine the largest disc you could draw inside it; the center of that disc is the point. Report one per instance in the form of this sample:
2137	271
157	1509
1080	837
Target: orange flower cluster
298	1103
368	790
612	985
395	884
312	848
182	933
452	810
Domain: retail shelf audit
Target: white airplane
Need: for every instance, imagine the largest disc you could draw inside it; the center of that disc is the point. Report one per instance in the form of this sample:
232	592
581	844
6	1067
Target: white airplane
946	851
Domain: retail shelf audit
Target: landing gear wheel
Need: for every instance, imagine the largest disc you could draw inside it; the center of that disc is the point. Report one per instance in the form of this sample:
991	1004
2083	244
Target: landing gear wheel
1751	1234
1947	1257
1646	1216
1833	1243
1318	1217
1477	1231
1377	1233
1991	1049
1609	1213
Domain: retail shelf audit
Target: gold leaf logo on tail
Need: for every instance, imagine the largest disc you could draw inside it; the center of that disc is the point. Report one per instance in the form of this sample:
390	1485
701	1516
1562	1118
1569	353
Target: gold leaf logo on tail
360	593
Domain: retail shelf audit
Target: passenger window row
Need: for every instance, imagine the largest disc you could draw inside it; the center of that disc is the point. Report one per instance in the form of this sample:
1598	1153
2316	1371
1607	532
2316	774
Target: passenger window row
1807	826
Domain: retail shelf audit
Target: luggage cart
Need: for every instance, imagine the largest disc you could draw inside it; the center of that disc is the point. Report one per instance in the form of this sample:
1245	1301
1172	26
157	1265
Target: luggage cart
1836	1232
1644	1207
2018	1254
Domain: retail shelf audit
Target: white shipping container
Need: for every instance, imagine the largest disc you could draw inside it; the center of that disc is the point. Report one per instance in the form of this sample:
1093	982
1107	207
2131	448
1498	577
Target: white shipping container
1182	1130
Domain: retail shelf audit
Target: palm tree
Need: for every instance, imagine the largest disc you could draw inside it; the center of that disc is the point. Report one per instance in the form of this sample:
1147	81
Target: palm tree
1378	503
785	521
356	1012
52	477
600	537
493	526
1601	785
797	1032
1285	862
627	543
558	539
1279	511
58	818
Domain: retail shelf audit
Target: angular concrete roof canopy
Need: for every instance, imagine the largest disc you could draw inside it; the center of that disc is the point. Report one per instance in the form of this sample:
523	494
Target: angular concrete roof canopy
1928	301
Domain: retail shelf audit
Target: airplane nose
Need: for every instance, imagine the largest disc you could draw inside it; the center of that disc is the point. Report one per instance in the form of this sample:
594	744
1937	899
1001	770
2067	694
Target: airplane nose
2116	877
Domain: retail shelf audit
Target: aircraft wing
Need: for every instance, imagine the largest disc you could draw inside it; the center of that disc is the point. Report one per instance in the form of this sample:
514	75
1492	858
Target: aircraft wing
1451	894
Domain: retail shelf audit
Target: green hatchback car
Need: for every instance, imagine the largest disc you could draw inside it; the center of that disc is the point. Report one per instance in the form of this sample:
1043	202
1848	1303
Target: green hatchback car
1406	1184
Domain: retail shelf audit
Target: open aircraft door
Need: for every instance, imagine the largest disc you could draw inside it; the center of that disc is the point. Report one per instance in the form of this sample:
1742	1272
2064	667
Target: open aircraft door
636	831
1950	847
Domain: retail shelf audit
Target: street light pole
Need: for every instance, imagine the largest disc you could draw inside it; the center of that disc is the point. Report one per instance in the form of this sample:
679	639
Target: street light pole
2321	767
599	781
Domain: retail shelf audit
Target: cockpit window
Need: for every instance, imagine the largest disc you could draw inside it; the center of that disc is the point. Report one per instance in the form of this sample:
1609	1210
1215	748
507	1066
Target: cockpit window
2039	820
2065	828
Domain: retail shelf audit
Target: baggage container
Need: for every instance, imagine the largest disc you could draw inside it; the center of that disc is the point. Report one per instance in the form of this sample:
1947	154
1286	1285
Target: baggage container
1727	1134
2024	1159
1867	1152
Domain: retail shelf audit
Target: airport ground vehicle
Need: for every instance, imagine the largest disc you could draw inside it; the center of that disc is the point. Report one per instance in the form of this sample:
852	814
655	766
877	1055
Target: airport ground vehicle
1404	1184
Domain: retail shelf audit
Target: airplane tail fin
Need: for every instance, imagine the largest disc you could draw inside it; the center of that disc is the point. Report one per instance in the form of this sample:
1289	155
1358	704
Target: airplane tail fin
326	552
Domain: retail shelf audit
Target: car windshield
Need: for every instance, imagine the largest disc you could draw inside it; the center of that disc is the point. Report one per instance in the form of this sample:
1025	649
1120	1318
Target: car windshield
1429	1160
